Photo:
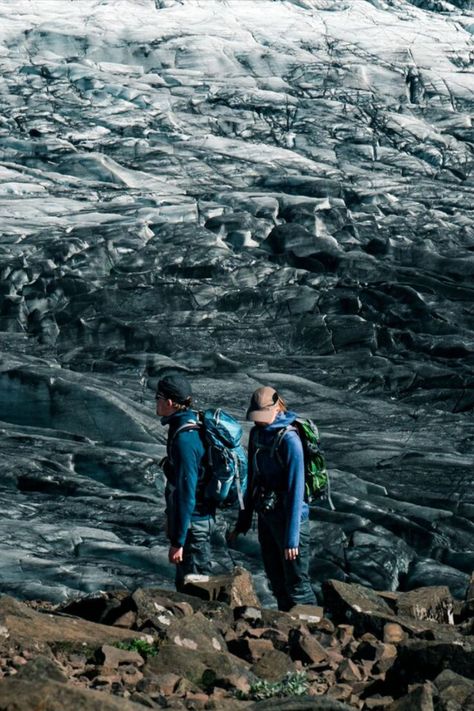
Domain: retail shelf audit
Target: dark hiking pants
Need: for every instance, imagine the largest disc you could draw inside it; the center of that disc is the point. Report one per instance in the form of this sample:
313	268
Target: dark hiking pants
289	579
197	551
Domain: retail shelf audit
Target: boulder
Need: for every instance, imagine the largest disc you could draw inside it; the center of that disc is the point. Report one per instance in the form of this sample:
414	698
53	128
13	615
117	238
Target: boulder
250	649
381	654
19	623
278	638
166	684
22	695
273	665
418	699
154	609
422	659
393	633
196	632
433	603
201	667
349	672
306	648
365	610
456	692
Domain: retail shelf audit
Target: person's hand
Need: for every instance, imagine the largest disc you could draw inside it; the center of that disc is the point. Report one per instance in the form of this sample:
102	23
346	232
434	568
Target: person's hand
231	536
175	555
291	553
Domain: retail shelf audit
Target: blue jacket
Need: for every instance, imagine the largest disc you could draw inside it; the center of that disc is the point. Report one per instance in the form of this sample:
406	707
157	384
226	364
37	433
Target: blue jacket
186	453
268	472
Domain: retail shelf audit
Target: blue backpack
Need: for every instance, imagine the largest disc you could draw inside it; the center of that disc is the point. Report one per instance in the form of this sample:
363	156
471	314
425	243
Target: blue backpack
225	466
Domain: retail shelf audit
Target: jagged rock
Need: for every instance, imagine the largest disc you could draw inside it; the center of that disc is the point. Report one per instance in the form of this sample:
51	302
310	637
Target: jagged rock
434	603
273	665
196	632
345	634
278	638
385	659
252	615
22	695
203	668
382	654
155	610
456	692
348	672
393	633
236	589
104	608
363	608
20	624
340	691
305	647
431	573
308	613
166	684
112	658
325	625
129	675
419	660
250	649
418	699
127	620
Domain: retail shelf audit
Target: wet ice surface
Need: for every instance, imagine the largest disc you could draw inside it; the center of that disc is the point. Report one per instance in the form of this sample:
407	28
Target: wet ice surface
256	192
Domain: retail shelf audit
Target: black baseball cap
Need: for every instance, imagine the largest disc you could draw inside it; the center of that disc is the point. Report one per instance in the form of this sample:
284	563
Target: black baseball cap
175	387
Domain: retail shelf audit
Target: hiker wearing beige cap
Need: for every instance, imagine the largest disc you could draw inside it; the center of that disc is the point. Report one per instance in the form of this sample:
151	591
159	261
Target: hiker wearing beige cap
276	492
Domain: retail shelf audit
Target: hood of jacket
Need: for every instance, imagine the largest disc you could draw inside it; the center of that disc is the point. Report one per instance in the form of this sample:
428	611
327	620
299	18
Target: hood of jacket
283	419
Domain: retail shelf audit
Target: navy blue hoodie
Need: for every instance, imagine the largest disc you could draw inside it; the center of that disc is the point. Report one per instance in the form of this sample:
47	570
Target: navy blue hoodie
186	454
286	480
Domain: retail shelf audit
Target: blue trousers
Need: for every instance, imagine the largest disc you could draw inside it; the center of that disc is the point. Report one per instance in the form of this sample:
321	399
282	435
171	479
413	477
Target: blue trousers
197	556
289	579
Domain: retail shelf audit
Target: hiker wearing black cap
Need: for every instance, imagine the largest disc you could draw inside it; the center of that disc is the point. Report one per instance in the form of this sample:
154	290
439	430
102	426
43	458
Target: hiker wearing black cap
276	491
190	516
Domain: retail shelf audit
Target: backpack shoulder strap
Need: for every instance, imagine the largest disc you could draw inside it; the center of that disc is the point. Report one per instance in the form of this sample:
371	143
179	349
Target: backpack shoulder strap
275	451
185	427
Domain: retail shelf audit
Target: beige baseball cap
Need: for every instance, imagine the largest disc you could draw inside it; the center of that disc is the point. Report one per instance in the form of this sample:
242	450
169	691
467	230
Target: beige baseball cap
263	405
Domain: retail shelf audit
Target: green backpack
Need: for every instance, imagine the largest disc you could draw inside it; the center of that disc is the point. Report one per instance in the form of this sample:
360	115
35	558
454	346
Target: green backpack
316	477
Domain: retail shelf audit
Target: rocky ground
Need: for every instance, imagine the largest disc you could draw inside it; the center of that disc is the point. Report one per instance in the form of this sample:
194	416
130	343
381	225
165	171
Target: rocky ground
218	649
254	192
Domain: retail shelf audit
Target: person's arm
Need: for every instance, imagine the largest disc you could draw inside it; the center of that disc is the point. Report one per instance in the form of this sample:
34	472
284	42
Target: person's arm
187	454
293	459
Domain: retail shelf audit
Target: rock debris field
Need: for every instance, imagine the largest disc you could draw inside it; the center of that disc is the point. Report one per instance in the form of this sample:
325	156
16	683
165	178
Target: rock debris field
254	192
218	649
